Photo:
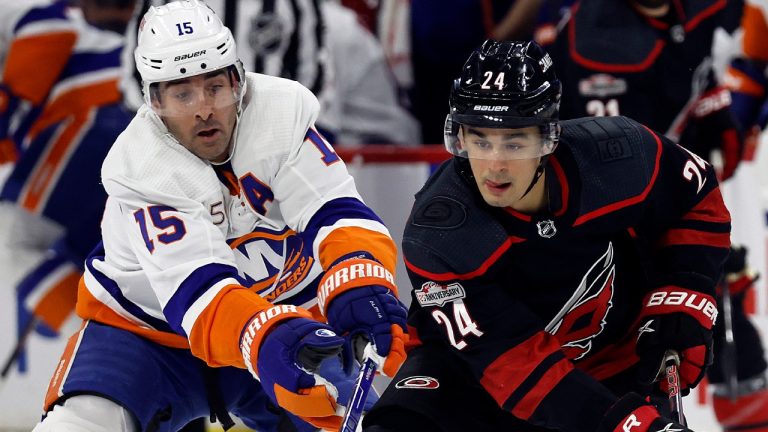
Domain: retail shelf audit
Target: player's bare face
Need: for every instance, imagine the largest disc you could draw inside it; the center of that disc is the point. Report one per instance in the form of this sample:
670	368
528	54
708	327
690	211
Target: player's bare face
200	112
502	180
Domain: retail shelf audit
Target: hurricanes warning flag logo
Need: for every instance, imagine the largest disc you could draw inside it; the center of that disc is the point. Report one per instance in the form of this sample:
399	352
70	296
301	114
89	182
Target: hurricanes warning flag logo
582	317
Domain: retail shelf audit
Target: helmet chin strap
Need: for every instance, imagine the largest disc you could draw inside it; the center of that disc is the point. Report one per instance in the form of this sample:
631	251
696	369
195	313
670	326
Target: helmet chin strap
536	175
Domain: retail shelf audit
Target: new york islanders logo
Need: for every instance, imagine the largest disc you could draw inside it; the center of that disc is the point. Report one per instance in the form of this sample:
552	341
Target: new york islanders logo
275	264
582	317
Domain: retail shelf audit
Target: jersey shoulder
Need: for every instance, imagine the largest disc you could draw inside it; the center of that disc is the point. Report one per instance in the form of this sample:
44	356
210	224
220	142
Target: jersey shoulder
449	232
616	158
277	113
146	163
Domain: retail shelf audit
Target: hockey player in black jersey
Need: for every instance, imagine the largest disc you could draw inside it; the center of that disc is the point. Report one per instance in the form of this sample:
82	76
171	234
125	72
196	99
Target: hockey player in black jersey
553	264
651	60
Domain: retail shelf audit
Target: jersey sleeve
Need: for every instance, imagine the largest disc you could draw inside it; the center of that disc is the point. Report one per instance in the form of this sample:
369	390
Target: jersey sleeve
317	195
41	44
504	345
688	224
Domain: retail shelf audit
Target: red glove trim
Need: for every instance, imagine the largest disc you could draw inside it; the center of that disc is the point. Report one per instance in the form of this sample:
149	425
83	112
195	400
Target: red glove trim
673	299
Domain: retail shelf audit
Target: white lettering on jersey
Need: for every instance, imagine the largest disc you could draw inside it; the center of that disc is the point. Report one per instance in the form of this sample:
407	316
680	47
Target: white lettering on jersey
630	423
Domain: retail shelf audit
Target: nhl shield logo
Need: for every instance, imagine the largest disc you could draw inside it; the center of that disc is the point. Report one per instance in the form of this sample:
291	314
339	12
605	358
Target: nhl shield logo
546	228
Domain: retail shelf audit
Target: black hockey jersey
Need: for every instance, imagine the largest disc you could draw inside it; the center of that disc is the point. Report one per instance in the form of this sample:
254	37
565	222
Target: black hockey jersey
544	307
614	61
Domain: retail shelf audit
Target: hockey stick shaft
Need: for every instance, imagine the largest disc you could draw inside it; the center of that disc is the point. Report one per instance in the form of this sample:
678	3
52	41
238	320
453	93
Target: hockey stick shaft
728	358
360	391
18	349
671	363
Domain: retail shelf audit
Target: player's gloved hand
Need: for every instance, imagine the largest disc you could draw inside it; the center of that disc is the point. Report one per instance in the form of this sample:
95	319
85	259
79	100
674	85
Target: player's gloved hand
283	349
747	81
712	126
632	413
738	274
676	319
359	298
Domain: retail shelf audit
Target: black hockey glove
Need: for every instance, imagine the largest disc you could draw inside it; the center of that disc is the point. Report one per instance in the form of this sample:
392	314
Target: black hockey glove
632	413
676	319
738	274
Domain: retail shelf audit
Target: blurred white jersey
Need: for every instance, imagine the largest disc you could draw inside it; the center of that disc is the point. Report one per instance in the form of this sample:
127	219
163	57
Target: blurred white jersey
175	234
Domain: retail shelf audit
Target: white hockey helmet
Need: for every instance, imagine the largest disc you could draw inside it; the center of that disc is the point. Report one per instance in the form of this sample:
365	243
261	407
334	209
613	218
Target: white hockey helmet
182	39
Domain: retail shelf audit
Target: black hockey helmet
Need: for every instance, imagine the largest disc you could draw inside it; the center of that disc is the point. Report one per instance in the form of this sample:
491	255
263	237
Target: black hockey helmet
506	85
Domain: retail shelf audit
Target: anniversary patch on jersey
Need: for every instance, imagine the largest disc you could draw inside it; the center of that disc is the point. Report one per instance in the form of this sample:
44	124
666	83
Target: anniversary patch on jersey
418	383
602	85
434	294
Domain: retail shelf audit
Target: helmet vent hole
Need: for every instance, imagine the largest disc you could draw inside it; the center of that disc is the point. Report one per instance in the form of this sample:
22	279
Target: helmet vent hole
153	31
183	70
203	66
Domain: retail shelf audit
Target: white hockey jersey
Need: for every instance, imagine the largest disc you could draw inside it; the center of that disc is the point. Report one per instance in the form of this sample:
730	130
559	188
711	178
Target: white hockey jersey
179	243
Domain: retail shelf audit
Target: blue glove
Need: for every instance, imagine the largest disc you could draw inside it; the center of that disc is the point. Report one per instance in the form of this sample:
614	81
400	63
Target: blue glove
288	359
371	313
358	297
331	370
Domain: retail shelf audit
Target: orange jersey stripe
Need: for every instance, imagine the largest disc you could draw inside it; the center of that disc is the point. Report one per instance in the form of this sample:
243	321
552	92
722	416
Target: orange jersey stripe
737	80
44	173
76	101
34	64
755	26
56	305
57	381
260	235
89	307
215	337
346	240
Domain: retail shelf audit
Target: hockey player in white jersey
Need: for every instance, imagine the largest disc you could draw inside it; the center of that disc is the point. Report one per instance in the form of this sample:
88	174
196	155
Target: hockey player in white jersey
233	239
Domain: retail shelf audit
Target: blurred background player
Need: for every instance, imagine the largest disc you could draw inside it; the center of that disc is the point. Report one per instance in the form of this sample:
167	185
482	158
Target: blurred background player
62	109
747	77
444	33
229	218
746	408
652	60
637	249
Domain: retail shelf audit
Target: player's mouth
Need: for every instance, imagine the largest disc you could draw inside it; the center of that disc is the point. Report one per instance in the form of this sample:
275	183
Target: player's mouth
497	188
209	134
